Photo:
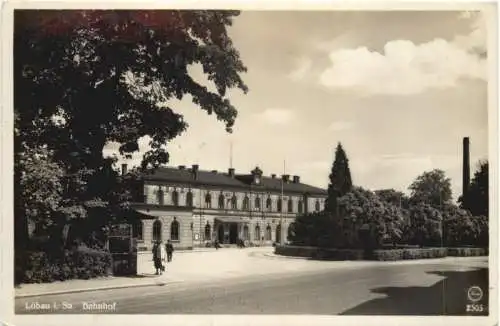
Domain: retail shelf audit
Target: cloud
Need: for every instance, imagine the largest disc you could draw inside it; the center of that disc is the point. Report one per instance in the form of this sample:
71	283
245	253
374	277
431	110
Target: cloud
276	116
340	125
405	68
476	41
302	69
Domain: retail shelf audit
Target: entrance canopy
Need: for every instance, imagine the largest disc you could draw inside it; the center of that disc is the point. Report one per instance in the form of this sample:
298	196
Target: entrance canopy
230	219
150	213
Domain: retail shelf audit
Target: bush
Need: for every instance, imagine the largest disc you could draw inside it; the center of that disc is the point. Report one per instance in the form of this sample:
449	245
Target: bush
320	253
467	252
405	254
82	263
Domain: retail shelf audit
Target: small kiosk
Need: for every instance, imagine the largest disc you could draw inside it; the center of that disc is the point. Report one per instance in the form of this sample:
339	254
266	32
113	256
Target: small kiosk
123	249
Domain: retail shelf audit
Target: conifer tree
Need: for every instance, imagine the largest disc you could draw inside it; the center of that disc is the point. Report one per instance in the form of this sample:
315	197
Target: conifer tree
340	180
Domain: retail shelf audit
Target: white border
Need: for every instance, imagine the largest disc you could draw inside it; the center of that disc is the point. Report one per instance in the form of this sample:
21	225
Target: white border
6	185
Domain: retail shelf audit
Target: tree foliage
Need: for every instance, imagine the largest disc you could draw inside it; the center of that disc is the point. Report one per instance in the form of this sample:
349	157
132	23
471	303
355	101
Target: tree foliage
394	197
432	188
426	224
477	198
84	78
310	229
340	179
360	207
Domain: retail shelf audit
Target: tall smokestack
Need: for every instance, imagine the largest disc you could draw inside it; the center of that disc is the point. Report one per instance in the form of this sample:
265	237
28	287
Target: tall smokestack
466	167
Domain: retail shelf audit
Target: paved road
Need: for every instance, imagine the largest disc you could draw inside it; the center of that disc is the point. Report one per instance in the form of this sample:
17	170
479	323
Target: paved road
408	289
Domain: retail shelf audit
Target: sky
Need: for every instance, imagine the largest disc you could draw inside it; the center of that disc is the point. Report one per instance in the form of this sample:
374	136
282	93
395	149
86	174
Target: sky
398	90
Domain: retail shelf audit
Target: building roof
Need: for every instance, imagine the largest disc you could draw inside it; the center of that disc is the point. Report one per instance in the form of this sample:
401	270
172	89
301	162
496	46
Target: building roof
242	181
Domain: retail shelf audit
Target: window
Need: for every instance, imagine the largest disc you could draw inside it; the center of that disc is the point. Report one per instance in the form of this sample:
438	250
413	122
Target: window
189	199
160	196
268	233
278	233
279	205
317	205
257	202
157	230
234	202
300	206
290	205
208	200
208	232
174	230
246	233
269	203
175	198
221	201
245	202
256	235
138	230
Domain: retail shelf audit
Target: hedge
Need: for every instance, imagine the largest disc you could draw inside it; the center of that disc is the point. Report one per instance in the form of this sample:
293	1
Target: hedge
81	263
319	253
405	254
467	252
379	255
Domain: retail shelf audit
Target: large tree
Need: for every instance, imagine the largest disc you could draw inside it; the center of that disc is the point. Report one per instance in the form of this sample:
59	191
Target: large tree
394	197
340	180
84	78
361	207
477	197
432	188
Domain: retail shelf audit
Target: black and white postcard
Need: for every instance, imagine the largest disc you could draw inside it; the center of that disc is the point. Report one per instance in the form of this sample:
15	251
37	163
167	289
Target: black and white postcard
249	163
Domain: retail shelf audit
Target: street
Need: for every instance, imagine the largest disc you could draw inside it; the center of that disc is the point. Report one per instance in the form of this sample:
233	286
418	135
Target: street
414	288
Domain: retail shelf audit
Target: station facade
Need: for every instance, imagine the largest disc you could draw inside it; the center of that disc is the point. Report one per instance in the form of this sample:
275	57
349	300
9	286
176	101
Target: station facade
193	207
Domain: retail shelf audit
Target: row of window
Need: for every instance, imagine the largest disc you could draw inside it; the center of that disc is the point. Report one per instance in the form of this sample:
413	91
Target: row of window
174	231
232	202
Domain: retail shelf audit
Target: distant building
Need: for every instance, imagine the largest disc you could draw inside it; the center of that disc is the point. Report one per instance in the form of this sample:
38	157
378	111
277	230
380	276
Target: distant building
190	206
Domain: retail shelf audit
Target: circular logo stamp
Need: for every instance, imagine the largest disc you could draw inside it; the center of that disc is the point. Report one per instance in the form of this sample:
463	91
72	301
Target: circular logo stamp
475	293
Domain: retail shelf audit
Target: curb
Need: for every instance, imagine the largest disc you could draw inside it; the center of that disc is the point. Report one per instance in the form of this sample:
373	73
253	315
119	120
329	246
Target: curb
101	288
392	262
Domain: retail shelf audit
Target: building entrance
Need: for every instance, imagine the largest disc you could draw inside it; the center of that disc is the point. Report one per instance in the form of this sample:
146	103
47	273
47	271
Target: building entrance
220	233
233	233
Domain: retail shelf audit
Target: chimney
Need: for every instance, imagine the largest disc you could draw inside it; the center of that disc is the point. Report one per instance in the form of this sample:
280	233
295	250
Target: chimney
124	168
466	167
230	172
182	167
195	168
285	177
296	179
273	176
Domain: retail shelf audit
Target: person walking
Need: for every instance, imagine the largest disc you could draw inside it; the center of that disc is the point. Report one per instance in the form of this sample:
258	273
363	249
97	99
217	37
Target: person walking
158	257
170	250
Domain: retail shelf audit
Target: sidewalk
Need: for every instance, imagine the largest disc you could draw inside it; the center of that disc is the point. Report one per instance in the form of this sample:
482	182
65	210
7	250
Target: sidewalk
176	273
96	284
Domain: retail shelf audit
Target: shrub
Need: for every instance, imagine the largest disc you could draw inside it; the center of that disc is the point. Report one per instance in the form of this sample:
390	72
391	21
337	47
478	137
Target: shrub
467	252
400	254
388	255
83	263
320	253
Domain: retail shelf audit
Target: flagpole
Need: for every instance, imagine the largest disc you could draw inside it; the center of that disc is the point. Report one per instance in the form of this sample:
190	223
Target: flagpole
231	154
282	206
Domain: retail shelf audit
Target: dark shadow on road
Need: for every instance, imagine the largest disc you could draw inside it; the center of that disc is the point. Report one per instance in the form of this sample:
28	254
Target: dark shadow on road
446	297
